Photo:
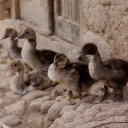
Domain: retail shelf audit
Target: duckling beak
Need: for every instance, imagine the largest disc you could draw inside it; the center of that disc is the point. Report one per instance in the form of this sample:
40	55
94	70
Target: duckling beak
82	58
19	37
16	38
79	55
4	37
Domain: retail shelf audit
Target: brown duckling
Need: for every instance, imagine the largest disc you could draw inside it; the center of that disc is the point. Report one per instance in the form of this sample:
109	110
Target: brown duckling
14	52
17	83
112	72
36	59
74	76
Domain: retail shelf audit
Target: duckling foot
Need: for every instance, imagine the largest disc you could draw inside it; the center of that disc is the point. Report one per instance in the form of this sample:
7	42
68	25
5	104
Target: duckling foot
118	99
81	97
118	96
101	99
69	95
104	97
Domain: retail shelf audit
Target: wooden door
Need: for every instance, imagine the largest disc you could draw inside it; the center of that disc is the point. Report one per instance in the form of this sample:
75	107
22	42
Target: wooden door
67	19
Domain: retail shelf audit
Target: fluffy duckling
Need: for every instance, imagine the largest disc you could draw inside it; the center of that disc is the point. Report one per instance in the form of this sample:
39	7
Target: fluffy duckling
17	83
74	76
38	80
14	52
113	72
36	59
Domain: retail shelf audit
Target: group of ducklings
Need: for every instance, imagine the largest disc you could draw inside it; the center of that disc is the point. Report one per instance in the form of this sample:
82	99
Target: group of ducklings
48	67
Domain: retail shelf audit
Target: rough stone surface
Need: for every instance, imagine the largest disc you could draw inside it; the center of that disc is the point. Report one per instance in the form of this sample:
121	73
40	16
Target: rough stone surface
36	104
12	95
35	120
45	106
67	108
10	120
108	18
17	108
69	116
55	109
34	94
58	90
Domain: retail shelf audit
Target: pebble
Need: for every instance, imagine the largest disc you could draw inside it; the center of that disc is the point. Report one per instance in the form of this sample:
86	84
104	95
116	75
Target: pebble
35	94
17	108
10	120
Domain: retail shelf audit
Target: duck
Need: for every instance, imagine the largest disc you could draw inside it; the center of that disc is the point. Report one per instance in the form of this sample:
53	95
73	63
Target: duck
74	76
36	59
36	80
18	84
13	50
112	72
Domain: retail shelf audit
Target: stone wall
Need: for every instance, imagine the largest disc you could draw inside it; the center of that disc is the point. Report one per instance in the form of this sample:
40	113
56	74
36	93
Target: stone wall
107	18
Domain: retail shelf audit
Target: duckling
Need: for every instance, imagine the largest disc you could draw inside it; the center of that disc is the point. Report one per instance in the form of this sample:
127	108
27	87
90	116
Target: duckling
112	72
38	80
74	76
36	59
14	52
17	83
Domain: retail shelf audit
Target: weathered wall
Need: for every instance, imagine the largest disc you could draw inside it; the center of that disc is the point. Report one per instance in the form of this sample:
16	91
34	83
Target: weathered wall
36	12
109	18
4	9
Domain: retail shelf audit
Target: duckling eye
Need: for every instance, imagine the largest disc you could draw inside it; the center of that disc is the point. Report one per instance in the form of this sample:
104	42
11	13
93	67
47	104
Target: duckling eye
27	32
14	64
60	59
9	31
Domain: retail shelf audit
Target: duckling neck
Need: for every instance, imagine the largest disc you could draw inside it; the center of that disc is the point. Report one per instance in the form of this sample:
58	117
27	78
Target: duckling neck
13	44
30	57
94	63
96	59
29	47
32	43
20	73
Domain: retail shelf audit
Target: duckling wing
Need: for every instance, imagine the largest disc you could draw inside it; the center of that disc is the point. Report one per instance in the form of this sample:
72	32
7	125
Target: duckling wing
83	72
46	56
73	75
23	87
117	68
115	63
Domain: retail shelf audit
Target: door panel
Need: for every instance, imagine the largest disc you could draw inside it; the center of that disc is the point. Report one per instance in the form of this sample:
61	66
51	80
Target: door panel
67	19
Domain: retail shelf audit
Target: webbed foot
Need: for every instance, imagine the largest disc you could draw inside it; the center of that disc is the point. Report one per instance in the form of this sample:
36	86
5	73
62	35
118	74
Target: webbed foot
118	96
104	97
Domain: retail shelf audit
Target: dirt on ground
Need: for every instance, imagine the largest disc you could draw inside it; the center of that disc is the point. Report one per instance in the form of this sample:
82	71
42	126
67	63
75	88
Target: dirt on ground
50	108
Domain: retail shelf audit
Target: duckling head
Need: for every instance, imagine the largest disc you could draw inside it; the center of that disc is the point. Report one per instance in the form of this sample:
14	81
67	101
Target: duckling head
16	66
10	33
28	34
88	49
60	60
